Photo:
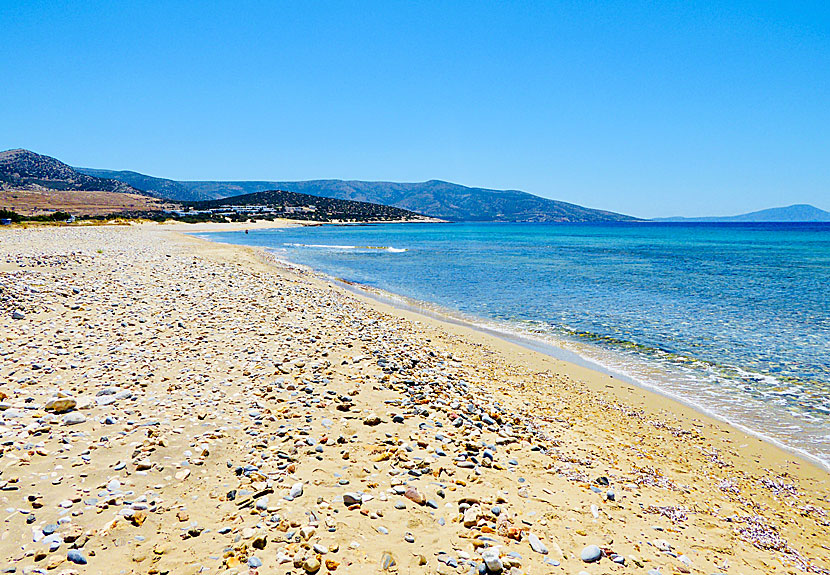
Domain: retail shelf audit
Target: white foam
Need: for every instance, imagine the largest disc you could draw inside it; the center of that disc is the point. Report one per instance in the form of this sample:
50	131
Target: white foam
342	247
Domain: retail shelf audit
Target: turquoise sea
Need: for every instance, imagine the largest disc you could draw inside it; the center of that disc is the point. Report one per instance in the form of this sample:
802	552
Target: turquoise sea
733	319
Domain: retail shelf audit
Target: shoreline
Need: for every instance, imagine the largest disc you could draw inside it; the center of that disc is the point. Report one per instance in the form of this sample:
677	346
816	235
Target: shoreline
580	365
552	350
233	416
535	345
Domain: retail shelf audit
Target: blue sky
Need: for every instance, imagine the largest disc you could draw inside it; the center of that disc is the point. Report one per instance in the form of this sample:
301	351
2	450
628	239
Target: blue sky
651	109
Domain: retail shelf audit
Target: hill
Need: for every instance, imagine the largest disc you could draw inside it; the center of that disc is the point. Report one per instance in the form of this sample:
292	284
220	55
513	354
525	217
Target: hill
33	184
434	198
794	213
25	170
158	187
305	207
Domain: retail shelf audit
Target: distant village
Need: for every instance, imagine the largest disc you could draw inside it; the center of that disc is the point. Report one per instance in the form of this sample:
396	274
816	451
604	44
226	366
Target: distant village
253	211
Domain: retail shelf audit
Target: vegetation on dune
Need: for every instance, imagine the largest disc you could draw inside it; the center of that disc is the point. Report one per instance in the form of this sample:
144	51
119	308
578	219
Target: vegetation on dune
17	218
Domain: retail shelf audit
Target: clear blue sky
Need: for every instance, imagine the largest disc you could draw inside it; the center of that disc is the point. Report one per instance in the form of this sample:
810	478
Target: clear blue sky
652	109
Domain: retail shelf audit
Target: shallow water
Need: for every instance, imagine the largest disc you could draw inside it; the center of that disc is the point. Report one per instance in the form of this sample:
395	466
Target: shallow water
731	318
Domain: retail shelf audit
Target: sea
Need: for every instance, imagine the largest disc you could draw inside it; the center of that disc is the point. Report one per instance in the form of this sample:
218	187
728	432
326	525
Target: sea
732	319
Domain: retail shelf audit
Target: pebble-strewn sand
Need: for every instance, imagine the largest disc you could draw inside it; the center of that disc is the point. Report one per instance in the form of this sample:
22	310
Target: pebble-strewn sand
175	406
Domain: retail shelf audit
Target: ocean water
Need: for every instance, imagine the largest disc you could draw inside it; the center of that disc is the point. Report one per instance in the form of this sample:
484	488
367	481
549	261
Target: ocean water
733	319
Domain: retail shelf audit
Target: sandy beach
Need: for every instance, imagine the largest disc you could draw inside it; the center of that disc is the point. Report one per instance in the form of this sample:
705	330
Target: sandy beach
171	405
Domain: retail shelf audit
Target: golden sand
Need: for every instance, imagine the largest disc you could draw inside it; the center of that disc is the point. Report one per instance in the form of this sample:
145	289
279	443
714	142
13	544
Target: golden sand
163	397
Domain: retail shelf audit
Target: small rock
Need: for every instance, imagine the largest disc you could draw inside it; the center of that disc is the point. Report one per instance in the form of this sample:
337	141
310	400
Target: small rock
591	553
536	544
75	556
492	560
387	561
296	490
412	494
17	314
352	498
73	418
471	516
311	565
372	420
60	404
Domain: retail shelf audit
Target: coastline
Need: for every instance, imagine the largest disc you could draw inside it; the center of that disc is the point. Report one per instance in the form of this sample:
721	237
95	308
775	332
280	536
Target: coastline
546	347
550	349
762	454
545	355
685	485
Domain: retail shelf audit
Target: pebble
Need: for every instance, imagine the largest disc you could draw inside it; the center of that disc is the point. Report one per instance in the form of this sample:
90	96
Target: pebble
372	420
311	565
591	553
74	418
536	544
413	495
60	405
296	490
352	498
76	557
387	561
492	560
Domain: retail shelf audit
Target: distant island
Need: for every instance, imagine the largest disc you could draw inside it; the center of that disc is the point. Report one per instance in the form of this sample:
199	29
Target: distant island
794	213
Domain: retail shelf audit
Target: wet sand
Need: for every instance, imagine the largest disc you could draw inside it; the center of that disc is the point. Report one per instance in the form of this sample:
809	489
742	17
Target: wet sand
165	399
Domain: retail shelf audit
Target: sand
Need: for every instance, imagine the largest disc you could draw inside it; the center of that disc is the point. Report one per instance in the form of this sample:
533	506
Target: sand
165	398
78	202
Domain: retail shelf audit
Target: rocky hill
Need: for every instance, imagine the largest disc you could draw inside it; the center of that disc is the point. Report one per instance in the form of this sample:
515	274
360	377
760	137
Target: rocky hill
434	198
159	187
300	207
26	170
33	184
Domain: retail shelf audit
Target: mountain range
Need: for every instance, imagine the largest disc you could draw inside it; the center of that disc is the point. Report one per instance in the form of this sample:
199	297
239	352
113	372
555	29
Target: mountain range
794	213
48	181
433	198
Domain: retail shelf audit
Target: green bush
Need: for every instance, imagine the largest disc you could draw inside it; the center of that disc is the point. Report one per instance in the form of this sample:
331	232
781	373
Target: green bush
10	215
